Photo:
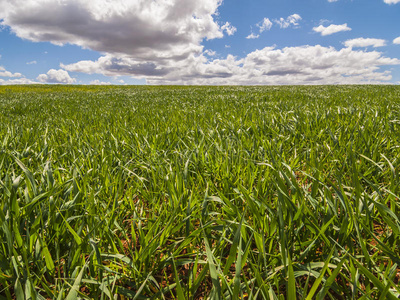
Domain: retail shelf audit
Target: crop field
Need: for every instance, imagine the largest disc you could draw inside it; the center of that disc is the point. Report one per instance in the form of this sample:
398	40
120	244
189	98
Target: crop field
199	192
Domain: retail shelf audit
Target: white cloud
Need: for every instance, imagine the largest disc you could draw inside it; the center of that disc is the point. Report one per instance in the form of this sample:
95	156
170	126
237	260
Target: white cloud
210	52
33	62
98	82
230	30
252	36
292	20
391	1
265	24
157	29
5	73
291	65
332	0
396	41
56	76
123	65
331	29
161	41
18	78
16	81
365	42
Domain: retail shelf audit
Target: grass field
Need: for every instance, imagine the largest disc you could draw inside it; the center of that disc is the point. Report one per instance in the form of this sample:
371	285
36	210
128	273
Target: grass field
199	192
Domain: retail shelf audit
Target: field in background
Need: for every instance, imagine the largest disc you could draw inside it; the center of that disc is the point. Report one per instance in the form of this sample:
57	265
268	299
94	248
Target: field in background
199	192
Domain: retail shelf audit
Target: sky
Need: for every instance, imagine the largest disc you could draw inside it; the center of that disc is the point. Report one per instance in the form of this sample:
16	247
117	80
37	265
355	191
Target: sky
207	42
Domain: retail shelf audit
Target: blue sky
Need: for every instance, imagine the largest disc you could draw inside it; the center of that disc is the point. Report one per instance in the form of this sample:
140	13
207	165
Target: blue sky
200	41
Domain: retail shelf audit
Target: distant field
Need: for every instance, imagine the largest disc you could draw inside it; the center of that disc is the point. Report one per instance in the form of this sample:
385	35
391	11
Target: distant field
199	192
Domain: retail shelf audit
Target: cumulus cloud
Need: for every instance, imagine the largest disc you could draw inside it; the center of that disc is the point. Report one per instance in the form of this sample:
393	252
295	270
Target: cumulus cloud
22	80
252	36
391	1
365	42
17	78
56	76
5	73
33	62
98	82
292	20
156	29
264	25
331	29
122	65
210	52
290	65
161	41
228	28
396	41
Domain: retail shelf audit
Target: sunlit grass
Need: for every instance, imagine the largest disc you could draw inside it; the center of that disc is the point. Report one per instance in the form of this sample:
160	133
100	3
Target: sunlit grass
199	192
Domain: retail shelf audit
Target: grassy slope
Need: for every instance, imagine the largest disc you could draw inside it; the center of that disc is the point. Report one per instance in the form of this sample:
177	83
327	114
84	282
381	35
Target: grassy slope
238	192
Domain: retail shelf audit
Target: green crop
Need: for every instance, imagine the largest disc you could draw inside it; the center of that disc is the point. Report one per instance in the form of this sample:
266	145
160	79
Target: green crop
199	192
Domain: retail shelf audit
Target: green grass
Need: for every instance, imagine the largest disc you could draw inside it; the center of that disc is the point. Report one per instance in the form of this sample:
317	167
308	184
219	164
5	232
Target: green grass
191	192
